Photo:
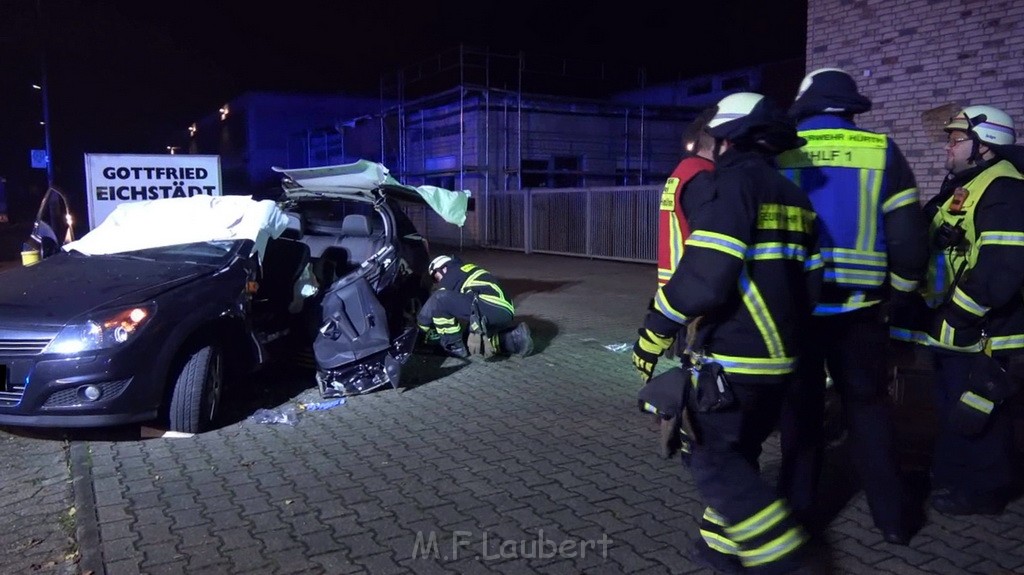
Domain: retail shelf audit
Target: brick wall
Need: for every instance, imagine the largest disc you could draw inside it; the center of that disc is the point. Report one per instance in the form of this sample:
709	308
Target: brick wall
920	61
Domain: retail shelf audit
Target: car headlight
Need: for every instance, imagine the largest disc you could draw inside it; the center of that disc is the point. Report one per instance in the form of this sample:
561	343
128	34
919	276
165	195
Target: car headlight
110	329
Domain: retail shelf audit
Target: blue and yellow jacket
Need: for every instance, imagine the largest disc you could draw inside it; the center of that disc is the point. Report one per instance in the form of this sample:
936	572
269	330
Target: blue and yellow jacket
751	269
873	231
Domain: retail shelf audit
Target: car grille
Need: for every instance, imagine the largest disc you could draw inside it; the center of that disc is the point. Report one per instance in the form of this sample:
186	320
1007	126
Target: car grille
69	397
23	347
12	395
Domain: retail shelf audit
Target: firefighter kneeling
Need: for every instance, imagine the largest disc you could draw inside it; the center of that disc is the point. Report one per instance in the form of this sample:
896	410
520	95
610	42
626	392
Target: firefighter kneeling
468	293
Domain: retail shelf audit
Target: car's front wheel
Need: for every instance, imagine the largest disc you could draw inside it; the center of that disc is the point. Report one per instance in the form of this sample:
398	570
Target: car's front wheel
197	391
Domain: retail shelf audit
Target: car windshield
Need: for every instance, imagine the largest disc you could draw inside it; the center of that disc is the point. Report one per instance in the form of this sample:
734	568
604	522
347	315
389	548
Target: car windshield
213	253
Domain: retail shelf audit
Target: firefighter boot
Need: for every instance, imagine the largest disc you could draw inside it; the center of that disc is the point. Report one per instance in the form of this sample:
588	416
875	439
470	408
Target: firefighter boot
517	341
452	345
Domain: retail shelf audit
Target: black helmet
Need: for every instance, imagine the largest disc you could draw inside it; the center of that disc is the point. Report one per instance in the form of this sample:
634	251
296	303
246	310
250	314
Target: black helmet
746	119
828	91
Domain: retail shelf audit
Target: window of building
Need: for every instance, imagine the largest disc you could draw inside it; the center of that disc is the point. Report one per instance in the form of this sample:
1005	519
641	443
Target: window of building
556	172
566	172
535	173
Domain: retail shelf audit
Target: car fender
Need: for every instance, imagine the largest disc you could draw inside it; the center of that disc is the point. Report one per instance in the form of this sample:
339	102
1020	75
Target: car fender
218	322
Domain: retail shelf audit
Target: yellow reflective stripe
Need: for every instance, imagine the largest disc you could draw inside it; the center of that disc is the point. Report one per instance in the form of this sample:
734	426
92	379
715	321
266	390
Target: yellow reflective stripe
759	522
654	343
661	304
648	408
966	303
716	538
1004	342
1000	238
783	217
675	240
444	320
832	309
777	251
907	197
662	341
755	365
945	341
868	257
719	542
902	284
498	301
870	191
449	330
758	310
814	262
855	277
714	517
471	279
977	402
775	549
716	241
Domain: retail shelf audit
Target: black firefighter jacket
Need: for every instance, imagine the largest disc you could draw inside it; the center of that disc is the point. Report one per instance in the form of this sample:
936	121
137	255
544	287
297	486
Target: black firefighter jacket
751	269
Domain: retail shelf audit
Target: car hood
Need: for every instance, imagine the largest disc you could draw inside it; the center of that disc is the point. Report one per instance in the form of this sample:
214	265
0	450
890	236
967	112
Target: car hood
65	286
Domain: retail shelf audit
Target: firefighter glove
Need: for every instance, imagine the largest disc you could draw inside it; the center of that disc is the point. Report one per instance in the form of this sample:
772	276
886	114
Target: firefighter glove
647	349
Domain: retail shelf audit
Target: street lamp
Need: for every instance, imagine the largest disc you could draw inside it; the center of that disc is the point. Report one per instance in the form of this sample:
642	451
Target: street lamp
46	126
42	87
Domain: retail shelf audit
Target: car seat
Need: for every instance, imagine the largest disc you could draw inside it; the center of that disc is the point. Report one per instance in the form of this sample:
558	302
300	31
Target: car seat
283	264
358	240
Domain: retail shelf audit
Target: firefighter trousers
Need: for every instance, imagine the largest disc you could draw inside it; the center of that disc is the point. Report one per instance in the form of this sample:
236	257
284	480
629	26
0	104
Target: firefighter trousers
980	466
853	347
724	465
445	309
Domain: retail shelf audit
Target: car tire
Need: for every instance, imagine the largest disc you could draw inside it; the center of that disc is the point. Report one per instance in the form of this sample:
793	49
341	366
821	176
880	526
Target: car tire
195	400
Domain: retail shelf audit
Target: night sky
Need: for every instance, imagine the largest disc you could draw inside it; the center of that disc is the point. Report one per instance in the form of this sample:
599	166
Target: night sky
123	74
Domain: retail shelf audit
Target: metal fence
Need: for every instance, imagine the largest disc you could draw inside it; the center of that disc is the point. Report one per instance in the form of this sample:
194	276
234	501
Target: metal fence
616	223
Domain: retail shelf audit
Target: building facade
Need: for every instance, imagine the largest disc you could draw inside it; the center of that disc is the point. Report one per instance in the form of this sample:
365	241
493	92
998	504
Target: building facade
559	156
920	61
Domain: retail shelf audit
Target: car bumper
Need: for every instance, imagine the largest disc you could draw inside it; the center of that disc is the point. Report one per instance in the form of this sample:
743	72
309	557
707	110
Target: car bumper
55	392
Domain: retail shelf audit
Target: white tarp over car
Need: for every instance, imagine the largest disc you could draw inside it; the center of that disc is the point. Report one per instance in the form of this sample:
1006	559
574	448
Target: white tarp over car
173	221
361	178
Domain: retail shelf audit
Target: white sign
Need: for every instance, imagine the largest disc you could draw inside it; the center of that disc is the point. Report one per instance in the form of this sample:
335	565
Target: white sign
115	179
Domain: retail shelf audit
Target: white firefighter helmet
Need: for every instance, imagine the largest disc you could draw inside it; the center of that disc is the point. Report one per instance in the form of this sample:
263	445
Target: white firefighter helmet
986	124
747	117
437	264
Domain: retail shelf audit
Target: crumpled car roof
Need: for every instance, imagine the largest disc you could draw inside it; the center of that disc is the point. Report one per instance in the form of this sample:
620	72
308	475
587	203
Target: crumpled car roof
173	221
364	180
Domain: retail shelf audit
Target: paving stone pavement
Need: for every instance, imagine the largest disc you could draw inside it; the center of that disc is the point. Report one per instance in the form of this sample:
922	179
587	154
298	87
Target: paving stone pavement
520	465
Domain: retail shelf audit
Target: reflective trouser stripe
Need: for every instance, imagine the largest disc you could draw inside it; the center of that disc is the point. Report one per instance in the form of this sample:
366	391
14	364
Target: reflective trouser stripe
446	325
769	535
712	530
